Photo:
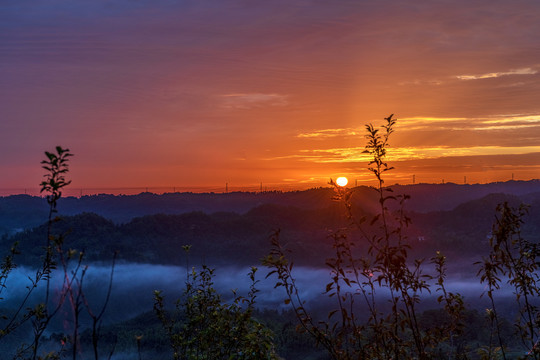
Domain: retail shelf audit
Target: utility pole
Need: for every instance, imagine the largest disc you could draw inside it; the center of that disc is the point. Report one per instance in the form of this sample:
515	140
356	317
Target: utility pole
226	188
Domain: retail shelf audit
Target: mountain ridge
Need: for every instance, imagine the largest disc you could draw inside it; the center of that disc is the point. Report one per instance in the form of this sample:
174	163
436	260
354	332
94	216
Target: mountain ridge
19	212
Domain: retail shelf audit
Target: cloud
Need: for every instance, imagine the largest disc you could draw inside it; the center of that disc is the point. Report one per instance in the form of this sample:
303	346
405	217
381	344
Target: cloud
450	79
505	134
253	100
497	122
356	154
421	82
328	133
522	71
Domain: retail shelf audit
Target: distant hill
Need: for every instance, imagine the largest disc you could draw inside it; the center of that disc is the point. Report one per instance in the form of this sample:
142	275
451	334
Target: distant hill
227	237
222	237
433	197
465	230
236	226
19	212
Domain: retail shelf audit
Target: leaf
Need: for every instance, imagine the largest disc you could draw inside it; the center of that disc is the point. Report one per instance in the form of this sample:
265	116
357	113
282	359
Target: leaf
331	313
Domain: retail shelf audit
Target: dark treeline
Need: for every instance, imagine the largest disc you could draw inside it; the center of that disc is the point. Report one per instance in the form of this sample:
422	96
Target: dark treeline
23	211
243	239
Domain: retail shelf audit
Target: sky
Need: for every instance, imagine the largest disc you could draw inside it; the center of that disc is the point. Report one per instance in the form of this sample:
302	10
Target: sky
196	93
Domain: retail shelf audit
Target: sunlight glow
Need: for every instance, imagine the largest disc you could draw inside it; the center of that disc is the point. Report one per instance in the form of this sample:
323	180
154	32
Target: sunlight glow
342	181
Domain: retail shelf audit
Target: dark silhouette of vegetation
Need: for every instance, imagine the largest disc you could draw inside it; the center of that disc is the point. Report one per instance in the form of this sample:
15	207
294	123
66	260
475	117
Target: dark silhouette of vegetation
516	261
396	330
42	314
211	328
55	257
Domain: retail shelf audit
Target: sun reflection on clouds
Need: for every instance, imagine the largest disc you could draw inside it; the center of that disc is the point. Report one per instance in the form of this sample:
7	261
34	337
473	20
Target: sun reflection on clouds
497	122
355	154
486	127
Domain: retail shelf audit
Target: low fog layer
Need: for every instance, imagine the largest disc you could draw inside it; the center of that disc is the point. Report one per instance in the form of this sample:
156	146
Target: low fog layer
134	284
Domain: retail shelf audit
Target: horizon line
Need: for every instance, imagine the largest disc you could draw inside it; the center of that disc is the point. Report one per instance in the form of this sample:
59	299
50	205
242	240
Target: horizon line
259	188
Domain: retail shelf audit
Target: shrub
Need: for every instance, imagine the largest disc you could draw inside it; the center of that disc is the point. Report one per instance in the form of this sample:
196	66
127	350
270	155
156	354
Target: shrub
357	281
210	328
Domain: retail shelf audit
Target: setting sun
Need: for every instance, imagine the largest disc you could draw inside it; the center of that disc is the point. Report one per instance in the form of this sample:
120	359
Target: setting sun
342	181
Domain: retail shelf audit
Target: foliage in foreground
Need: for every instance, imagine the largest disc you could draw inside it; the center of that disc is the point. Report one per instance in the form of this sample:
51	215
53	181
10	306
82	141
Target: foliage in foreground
515	261
34	317
385	283
359	279
212	328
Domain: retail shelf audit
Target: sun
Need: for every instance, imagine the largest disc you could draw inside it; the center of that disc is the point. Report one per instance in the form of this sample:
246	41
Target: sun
342	181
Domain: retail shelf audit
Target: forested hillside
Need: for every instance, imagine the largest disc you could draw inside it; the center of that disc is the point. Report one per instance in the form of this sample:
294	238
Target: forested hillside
234	238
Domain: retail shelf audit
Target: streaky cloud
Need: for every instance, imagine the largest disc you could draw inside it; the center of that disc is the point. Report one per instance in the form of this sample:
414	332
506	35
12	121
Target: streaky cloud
327	133
356	154
251	100
522	71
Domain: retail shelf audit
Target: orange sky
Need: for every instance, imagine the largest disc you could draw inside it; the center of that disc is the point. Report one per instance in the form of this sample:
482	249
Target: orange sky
192	93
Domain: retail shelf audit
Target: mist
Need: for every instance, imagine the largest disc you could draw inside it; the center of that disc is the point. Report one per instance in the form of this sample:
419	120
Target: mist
134	284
